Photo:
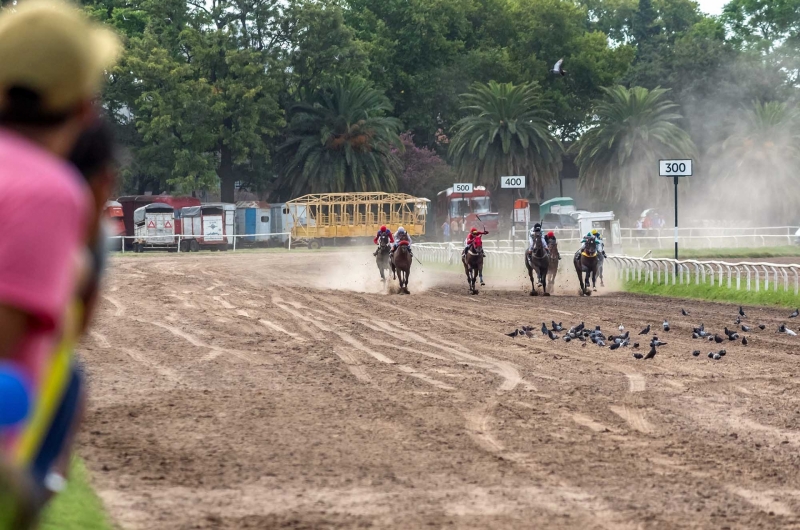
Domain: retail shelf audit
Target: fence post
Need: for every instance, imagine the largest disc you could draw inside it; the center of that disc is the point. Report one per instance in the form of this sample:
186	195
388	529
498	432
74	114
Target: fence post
234	242
290	241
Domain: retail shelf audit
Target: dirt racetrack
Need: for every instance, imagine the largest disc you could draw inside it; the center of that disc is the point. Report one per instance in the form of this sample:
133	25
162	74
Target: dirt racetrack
238	391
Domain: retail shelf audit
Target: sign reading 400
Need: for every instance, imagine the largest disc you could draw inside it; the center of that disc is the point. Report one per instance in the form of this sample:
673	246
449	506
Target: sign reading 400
512	182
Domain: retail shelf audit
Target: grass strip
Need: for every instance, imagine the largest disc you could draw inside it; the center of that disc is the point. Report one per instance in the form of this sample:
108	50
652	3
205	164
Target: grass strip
719	253
77	507
707	291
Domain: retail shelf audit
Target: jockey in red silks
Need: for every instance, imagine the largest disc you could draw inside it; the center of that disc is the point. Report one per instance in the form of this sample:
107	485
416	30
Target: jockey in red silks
381	233
474	240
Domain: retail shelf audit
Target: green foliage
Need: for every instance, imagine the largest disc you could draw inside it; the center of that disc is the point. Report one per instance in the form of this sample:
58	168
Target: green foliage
77	507
341	141
633	129
506	132
718	294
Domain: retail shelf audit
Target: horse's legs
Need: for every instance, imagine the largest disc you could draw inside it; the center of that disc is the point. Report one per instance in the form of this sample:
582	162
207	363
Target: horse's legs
533	283
480	274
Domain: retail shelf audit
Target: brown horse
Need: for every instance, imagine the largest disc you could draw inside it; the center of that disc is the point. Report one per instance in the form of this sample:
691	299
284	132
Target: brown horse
473	267
552	269
538	260
401	266
586	262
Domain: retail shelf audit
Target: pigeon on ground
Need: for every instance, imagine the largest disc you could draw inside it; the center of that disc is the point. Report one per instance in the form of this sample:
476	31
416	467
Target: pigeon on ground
513	333
684	312
717	357
651	353
711	354
567	338
695	336
635	344
621	327
665	325
696	353
762	327
718	339
579	327
558	69
529	334
544	329
597	328
728	332
790	332
744	341
656	342
645	331
601	343
746	328
795	314
614	346
737	321
741	312
782	328
552	335
527	328
722	353
638	356
557	327
733	336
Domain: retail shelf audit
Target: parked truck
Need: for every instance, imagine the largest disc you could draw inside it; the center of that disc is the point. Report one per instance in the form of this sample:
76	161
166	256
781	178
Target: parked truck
132	202
207	226
154	227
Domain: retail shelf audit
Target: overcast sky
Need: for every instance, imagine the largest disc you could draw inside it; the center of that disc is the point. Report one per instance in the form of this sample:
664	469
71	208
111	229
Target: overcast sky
712	7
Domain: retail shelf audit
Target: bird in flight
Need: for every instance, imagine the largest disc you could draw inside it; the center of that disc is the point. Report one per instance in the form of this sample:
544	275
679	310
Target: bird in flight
558	69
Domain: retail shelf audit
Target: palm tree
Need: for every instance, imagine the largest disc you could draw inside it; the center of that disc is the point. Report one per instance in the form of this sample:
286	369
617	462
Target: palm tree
618	155
341	141
505	133
757	164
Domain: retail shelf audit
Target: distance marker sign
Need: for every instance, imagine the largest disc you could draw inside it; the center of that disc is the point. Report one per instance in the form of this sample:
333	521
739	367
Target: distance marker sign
512	182
675	168
462	188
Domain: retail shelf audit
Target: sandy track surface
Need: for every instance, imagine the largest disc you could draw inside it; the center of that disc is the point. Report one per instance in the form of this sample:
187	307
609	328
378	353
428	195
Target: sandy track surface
242	391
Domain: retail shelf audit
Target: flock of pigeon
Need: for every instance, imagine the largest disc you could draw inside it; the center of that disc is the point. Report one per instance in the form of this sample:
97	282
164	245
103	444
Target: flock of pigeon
584	335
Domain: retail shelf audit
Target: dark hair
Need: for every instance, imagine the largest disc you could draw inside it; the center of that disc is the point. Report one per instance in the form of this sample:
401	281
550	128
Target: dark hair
23	107
94	150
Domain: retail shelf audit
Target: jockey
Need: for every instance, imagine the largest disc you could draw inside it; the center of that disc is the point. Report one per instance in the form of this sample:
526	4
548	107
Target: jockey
401	236
536	232
474	240
600	243
550	236
381	233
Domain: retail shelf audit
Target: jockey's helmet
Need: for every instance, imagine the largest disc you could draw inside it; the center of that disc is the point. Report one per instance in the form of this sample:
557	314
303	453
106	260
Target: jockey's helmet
594	231
537	227
401	230
383	228
474	230
550	234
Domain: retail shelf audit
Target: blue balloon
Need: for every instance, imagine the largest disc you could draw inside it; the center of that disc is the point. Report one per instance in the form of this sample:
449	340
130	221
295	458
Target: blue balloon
15	400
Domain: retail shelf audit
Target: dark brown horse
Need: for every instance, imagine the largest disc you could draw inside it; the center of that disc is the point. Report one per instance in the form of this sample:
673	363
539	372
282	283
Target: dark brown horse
586	262
473	267
382	257
552	269
538	260
401	266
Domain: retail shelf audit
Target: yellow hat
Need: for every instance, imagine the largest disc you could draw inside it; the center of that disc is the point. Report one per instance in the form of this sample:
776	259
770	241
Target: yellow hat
594	231
52	49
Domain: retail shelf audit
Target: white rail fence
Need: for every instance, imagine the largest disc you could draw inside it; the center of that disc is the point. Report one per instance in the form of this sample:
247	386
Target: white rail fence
177	239
745	275
740	276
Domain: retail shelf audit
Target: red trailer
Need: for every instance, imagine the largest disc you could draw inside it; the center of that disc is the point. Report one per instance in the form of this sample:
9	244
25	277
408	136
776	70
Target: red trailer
114	222
131	202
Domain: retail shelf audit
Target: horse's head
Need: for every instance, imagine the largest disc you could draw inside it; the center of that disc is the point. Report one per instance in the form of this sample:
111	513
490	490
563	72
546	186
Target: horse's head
590	250
538	246
552	245
383	241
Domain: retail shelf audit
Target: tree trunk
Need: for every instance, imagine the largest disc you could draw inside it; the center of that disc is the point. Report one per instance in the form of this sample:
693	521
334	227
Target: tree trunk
227	180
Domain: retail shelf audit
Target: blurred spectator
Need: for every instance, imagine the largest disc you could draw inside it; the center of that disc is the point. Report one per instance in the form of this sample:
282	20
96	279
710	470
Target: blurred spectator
446	231
52	62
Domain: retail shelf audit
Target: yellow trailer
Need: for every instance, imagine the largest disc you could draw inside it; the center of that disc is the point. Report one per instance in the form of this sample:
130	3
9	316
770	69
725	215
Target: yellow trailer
323	216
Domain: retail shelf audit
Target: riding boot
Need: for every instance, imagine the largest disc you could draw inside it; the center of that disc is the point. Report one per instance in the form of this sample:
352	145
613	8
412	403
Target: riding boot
376	252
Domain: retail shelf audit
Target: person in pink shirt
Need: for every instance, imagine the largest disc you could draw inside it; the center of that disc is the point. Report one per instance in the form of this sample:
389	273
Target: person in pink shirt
52	64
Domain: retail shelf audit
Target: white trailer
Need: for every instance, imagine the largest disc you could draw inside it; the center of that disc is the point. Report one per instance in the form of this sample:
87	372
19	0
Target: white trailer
207	226
154	227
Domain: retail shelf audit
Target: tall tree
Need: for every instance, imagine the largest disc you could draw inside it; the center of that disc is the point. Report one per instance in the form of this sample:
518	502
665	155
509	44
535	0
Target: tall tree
341	141
506	132
756	166
632	130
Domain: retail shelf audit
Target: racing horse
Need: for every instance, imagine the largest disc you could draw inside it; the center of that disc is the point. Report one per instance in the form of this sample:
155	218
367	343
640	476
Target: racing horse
552	269
382	257
401	265
473	266
538	260
587	262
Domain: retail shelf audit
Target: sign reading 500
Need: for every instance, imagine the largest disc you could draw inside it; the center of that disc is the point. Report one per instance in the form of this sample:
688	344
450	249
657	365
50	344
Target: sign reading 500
512	182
